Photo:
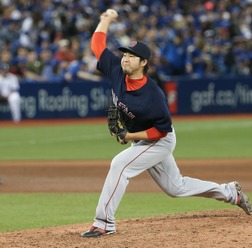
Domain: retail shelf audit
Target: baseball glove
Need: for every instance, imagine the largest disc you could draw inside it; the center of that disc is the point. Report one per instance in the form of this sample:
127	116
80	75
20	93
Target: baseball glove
116	125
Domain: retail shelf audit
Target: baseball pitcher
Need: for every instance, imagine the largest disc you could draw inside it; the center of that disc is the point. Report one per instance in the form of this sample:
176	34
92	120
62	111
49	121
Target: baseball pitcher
140	115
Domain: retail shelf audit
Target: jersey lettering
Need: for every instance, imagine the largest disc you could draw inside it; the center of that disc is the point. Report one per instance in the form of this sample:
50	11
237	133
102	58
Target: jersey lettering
114	98
126	110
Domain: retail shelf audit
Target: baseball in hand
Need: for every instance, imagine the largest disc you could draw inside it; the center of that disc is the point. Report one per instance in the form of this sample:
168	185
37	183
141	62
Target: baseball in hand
112	13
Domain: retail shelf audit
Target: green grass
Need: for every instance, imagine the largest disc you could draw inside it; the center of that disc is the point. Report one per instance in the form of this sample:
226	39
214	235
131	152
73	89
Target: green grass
214	139
73	142
27	211
195	139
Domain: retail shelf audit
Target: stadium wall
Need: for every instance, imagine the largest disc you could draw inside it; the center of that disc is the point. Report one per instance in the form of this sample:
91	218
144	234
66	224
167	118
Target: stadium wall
210	96
91	99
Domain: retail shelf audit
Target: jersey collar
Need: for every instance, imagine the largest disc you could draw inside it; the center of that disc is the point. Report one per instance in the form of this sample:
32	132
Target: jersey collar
135	84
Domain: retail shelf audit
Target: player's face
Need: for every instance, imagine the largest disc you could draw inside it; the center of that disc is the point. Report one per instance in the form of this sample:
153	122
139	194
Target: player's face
132	66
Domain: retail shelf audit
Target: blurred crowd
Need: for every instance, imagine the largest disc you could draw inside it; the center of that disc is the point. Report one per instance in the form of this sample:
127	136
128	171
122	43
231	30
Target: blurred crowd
49	40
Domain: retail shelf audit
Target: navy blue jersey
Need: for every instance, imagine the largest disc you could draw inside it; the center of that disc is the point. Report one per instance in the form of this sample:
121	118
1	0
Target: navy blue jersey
143	108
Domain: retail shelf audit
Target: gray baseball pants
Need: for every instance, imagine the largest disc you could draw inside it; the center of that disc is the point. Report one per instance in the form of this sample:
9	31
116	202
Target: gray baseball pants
156	157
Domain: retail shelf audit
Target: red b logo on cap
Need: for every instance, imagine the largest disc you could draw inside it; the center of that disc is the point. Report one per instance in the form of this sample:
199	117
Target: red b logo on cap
133	43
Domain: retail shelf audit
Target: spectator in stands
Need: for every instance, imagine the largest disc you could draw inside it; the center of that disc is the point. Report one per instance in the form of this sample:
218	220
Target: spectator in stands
9	91
196	60
19	61
29	31
6	58
61	68
170	26
9	34
229	59
45	44
84	68
33	67
76	71
64	53
49	72
152	72
76	46
87	69
217	58
174	55
243	65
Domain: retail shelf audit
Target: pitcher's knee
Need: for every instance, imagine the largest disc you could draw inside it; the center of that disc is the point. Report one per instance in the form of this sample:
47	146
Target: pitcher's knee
175	190
173	194
115	166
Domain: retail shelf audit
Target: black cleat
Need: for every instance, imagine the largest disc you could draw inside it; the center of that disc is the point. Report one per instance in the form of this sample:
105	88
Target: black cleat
95	232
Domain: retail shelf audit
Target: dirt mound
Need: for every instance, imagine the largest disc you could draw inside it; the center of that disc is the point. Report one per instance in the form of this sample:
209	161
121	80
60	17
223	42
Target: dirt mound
222	229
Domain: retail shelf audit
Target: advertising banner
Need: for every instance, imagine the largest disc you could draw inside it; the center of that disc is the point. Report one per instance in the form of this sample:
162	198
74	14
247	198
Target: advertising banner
92	99
172	96
213	96
52	100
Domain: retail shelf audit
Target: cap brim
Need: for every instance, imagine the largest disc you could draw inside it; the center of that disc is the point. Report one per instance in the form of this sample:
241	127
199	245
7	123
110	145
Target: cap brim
126	49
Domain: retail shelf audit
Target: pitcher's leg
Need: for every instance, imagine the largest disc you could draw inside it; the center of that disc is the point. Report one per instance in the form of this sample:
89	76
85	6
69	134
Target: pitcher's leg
111	195
128	164
167	175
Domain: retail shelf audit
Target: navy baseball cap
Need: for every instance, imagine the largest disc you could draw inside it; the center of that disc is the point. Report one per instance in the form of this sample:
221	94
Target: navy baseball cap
138	48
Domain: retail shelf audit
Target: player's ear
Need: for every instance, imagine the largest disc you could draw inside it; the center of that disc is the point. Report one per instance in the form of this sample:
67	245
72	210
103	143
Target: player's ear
144	62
